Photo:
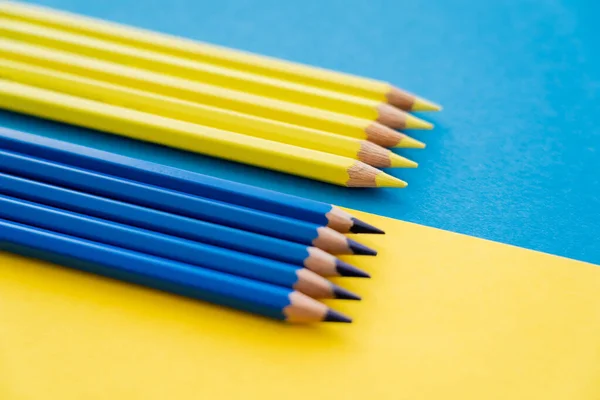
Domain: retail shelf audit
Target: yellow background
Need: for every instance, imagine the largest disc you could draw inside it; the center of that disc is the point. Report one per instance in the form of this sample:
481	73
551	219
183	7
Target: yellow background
444	317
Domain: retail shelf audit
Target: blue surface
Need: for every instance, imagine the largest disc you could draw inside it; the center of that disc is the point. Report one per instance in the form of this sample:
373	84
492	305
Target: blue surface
515	156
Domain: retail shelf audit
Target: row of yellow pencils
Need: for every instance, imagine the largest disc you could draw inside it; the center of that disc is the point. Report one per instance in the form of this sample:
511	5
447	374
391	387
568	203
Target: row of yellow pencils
288	117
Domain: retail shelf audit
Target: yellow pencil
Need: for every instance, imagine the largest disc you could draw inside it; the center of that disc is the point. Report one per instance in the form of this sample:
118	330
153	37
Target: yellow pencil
362	150
208	73
201	93
225	57
184	135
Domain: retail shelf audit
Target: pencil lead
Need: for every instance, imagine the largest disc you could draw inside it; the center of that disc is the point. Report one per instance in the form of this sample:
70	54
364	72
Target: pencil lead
425	105
384	180
359	226
360	249
397	161
334	316
413	122
343	294
406	142
345	269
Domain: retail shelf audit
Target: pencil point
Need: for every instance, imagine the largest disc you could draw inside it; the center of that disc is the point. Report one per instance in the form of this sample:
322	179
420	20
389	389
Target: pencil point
413	122
343	294
425	105
406	142
360	249
334	316
384	180
359	226
345	269
397	161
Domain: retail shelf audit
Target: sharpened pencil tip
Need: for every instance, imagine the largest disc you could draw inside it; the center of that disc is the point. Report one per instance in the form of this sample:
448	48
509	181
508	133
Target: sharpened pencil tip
359	226
360	249
406	142
343	294
425	105
334	316
397	161
384	180
345	269
413	122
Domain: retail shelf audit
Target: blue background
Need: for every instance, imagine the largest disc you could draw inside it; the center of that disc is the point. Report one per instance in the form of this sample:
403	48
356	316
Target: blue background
515	156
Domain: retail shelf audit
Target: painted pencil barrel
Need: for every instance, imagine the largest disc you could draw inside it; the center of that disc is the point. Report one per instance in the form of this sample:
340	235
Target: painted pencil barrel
185	89
157	198
191	137
300	208
195	50
171	276
188	69
148	242
214	117
154	220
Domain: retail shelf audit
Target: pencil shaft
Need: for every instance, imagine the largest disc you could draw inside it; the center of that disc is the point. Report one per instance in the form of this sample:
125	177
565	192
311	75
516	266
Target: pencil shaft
253	197
155	220
193	91
194	50
157	198
197	113
188	69
179	134
171	276
148	242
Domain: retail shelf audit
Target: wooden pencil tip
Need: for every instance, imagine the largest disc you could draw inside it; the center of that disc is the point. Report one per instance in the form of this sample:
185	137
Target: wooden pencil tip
397	161
424	105
334	316
409	143
413	122
359	226
384	180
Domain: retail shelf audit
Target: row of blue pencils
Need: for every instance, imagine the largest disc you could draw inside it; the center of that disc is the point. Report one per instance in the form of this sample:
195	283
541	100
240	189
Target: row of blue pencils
223	242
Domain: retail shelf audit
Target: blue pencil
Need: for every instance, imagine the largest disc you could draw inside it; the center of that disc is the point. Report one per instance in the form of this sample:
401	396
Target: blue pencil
246	242
160	245
319	213
179	203
171	276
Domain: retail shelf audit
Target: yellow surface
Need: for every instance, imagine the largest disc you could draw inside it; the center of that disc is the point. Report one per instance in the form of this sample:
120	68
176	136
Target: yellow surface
416	123
444	317
189	69
179	134
185	89
205	52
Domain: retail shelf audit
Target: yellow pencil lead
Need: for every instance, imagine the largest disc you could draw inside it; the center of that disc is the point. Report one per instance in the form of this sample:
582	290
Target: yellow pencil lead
409	143
397	161
413	122
384	180
425	105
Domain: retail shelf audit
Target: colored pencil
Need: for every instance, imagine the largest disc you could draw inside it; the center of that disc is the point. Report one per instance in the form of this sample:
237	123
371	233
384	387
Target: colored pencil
207	73
184	181
167	275
179	203
292	253
280	157
198	51
171	107
136	78
169	247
